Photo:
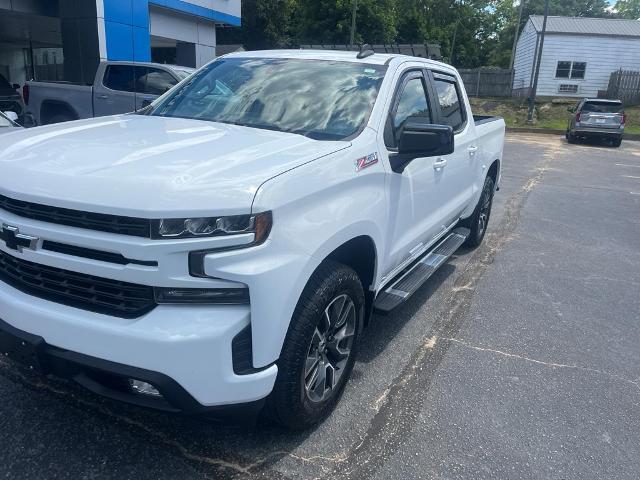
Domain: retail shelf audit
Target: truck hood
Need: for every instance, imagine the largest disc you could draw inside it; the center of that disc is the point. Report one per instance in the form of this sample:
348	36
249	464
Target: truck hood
149	167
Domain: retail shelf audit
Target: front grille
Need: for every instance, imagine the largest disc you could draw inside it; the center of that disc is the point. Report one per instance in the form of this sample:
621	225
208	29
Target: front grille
138	227
95	294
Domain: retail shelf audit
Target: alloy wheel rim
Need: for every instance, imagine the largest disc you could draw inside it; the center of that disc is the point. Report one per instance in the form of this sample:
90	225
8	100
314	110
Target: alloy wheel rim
330	348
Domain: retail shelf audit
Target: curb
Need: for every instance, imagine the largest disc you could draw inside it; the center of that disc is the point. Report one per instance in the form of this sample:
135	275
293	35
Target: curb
554	131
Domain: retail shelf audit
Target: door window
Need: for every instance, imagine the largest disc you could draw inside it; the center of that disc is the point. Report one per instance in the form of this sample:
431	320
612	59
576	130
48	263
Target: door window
412	102
450	104
156	81
120	78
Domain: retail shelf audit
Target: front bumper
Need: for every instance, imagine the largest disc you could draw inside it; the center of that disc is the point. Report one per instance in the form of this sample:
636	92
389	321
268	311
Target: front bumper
184	351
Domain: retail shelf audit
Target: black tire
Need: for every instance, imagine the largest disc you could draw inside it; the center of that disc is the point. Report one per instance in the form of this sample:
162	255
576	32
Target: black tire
291	402
616	142
479	220
571	138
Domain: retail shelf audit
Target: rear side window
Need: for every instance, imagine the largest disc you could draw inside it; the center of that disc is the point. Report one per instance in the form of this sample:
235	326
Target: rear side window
120	77
602	107
450	103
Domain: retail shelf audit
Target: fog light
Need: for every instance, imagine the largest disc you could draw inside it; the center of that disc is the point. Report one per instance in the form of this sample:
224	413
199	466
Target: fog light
144	388
229	296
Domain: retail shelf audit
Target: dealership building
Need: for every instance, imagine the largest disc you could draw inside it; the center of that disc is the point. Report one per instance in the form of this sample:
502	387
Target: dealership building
66	39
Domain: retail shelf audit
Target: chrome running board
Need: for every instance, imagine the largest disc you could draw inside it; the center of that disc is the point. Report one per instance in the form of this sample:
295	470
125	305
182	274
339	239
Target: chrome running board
399	290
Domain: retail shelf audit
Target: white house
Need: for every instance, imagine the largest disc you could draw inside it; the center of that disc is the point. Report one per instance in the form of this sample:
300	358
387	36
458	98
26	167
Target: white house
578	54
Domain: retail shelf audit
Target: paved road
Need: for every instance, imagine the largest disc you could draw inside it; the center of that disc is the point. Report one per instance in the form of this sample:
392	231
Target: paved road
517	360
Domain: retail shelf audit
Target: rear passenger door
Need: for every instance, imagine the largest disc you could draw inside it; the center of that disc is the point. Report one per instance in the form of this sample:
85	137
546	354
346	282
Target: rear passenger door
458	173
116	92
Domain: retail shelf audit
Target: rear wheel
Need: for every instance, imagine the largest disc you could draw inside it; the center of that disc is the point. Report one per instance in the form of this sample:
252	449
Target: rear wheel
616	142
477	223
571	138
320	347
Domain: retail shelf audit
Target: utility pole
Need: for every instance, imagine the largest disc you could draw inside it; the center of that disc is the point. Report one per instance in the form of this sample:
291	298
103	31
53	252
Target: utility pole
353	22
532	94
515	38
453	42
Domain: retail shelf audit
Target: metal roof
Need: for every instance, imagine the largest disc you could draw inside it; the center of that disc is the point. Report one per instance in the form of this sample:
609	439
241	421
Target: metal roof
588	26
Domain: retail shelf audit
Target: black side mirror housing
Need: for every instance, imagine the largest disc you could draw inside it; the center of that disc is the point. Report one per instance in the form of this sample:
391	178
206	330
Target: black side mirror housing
419	139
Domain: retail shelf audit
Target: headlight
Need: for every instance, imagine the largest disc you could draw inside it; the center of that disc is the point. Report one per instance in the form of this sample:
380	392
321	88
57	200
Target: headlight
173	228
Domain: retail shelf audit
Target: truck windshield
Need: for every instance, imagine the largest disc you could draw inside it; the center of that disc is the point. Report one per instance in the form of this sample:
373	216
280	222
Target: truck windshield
323	100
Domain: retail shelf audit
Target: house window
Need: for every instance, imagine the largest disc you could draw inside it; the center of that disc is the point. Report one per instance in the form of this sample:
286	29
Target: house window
578	69
570	69
563	69
568	88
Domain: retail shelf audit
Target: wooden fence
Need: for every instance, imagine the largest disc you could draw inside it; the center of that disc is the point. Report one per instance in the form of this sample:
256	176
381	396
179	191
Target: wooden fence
487	81
624	85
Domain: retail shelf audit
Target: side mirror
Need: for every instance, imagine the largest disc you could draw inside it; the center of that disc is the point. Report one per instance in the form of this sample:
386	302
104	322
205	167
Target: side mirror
16	86
146	103
13	116
419	139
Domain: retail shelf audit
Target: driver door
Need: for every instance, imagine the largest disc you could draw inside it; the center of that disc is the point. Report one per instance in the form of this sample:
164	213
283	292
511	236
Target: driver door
417	213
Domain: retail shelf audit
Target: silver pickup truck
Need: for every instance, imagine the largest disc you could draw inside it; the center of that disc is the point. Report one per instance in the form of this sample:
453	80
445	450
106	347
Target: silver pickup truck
119	87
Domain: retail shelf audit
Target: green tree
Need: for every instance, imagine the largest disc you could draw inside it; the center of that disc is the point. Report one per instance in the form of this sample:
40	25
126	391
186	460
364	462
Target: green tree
628	9
329	21
265	24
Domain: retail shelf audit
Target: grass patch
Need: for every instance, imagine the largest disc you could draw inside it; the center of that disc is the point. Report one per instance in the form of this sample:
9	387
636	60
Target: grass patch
549	114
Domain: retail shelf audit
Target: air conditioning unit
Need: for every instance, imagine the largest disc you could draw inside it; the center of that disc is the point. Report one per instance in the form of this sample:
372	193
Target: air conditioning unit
568	88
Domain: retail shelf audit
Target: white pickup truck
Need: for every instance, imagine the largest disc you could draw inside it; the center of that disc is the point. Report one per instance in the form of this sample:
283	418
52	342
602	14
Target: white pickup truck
118	87
223	249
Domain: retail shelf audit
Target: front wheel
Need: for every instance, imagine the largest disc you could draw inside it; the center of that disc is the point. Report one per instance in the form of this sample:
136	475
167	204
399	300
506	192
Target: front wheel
478	221
320	348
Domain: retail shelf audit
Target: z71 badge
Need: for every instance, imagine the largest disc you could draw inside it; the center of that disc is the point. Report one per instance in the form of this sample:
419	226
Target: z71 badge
367	161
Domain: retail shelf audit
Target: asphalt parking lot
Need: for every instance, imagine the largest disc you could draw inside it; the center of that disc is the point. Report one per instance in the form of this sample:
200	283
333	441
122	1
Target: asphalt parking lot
517	360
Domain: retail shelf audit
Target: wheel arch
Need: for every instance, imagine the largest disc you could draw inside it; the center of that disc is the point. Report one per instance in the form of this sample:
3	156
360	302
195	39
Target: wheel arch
51	108
360	254
494	172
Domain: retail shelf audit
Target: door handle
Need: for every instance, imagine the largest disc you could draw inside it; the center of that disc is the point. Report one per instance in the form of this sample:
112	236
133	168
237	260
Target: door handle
102	97
439	163
472	150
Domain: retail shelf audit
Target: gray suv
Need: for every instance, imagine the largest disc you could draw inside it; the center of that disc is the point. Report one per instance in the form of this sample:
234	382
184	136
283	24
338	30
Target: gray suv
596	118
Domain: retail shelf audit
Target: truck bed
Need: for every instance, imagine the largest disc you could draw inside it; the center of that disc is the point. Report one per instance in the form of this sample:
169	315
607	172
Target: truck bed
79	98
480	119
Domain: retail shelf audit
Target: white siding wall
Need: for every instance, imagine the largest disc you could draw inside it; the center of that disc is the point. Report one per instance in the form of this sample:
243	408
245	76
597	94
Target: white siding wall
523	61
602	54
200	32
231	7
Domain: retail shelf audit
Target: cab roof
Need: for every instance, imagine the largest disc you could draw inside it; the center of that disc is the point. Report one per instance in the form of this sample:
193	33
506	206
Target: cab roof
331	55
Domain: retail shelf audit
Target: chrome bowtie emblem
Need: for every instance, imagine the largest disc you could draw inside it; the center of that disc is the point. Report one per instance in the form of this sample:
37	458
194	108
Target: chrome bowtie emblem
14	240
